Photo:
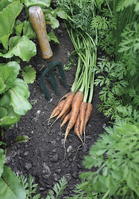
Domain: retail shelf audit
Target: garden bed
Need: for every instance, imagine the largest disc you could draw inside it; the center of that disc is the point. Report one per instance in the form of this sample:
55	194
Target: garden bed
43	155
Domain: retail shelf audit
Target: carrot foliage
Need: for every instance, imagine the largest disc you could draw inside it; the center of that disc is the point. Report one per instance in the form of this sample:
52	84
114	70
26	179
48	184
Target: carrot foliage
115	175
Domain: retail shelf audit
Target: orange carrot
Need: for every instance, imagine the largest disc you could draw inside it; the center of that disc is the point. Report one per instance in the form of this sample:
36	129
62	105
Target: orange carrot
82	116
66	118
67	104
77	100
65	96
77	127
58	108
88	114
64	115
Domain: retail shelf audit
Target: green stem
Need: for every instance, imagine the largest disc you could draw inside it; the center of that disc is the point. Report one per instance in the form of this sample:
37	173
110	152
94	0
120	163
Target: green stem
109	7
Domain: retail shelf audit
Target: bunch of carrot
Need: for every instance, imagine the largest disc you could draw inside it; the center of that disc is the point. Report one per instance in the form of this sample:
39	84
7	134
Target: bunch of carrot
75	107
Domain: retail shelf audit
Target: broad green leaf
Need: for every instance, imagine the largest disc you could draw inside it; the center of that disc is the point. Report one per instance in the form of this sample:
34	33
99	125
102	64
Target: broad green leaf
28	30
5	100
2	143
54	22
8	121
10	186
22	138
19	29
8	74
21	87
14	0
3	112
19	94
51	36
10	112
61	14
2	161
2	86
21	47
4	41
4	4
7	20
137	7
29	3
29	74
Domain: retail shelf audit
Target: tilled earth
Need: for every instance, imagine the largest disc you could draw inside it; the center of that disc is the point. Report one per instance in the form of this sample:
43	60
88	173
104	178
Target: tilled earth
43	155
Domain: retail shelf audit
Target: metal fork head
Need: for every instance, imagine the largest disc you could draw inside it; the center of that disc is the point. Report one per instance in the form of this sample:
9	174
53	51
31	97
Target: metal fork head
49	71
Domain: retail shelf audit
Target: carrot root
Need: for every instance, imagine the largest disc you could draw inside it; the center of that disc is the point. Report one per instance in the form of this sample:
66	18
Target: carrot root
82	116
67	104
77	127
88	114
67	112
66	119
57	108
77	100
65	96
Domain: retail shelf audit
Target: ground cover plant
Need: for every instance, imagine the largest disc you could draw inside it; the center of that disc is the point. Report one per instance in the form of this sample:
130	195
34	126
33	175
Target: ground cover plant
30	188
13	90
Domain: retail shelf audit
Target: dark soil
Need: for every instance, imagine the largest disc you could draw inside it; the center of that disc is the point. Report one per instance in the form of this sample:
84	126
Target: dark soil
43	155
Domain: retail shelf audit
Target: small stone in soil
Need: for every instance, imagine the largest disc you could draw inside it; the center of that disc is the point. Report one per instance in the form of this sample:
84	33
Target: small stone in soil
46	176
58	171
68	176
54	158
69	149
79	166
41	188
45	108
56	177
75	175
89	137
46	170
48	186
26	153
28	166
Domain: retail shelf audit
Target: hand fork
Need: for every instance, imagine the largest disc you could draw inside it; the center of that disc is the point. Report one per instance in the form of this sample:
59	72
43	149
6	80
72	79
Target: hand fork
38	23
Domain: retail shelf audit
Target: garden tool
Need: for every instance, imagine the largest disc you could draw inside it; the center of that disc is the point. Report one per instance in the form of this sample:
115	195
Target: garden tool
38	23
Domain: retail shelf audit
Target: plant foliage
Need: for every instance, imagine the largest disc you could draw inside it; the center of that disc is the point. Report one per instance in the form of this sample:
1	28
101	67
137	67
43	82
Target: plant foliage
14	91
115	158
31	188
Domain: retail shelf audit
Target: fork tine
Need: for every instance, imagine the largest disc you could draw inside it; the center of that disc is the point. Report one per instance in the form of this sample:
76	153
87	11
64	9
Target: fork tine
61	72
43	86
53	81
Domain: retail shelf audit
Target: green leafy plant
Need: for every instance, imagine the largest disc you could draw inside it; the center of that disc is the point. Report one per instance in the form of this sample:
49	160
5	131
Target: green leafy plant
31	188
58	189
10	186
14	92
114	159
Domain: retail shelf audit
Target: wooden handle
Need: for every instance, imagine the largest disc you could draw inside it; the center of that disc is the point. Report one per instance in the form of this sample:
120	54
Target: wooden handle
38	23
